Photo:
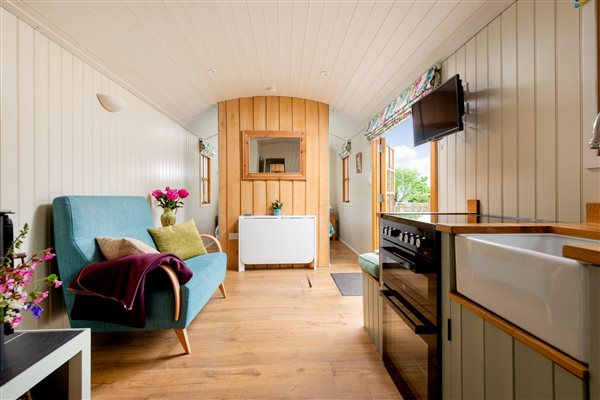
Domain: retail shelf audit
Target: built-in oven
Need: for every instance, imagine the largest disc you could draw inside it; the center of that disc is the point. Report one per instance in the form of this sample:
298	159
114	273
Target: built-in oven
411	317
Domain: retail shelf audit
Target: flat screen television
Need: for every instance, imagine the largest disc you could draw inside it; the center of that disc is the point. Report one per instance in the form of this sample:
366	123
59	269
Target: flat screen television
439	113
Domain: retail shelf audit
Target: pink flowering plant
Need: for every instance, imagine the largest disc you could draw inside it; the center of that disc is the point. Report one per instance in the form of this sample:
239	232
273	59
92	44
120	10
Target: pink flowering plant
170	198
15	280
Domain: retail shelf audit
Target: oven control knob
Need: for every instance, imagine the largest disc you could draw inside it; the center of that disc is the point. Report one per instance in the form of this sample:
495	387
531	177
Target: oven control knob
406	237
420	242
397	233
411	239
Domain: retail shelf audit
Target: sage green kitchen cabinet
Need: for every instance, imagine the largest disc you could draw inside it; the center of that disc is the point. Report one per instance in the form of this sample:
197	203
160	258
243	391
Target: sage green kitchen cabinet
373	311
448	278
472	333
567	386
498	363
533	374
488	363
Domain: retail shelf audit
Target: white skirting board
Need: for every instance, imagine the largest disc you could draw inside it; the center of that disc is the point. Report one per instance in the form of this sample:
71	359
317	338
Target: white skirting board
289	239
350	247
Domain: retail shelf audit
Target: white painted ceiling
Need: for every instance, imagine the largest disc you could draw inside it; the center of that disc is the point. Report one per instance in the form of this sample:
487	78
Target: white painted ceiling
163	50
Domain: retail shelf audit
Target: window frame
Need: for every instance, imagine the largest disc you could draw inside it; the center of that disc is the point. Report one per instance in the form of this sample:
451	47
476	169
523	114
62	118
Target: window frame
346	179
205	177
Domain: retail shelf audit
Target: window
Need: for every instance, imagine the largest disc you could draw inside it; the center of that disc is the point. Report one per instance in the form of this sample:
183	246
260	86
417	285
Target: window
346	179
205	179
408	170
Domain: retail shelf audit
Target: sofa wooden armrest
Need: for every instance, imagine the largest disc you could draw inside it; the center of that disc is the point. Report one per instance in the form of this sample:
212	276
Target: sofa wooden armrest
176	289
214	239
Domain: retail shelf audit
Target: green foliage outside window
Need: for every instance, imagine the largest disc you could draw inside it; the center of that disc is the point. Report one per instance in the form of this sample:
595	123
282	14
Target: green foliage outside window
411	186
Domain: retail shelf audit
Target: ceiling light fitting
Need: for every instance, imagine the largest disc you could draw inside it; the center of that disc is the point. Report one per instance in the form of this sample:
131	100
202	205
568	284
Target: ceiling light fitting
325	74
212	71
271	88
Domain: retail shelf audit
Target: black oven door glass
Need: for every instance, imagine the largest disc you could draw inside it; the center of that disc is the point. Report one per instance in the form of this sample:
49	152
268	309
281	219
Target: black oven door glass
399	272
409	357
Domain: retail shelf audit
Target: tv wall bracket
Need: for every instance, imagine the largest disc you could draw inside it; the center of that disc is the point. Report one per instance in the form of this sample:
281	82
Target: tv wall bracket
466	97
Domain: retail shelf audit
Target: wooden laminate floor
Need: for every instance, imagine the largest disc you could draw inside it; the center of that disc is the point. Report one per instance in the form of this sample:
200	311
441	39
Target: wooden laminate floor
274	337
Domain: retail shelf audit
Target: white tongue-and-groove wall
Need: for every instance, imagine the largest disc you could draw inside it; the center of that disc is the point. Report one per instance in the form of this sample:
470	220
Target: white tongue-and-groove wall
532	92
56	139
532	87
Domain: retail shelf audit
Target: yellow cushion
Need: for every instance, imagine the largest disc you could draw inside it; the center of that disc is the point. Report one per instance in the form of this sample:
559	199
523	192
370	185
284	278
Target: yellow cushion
183	240
113	248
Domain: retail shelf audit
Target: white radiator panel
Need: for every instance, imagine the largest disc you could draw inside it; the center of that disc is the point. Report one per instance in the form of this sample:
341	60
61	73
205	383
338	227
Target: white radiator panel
277	240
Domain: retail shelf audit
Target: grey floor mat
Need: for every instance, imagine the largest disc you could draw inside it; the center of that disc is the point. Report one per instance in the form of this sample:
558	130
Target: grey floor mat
349	284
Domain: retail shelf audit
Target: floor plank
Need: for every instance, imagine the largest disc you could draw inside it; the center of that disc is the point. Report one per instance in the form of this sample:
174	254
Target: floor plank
274	337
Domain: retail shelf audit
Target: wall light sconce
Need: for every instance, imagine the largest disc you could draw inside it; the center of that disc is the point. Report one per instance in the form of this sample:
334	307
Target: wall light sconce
111	103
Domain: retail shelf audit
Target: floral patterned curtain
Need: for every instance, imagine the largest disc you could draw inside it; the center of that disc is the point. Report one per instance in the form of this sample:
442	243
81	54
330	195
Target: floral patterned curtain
207	149
344	150
400	108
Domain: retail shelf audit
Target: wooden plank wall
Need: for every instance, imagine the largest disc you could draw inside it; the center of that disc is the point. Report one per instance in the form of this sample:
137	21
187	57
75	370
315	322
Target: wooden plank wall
521	151
237	196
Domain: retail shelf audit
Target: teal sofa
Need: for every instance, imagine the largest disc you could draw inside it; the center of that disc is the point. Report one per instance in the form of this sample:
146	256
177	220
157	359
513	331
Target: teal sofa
79	220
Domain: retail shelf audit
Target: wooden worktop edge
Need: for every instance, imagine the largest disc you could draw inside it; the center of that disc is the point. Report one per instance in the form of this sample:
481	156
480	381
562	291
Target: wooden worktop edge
587	253
587	231
492	228
567	362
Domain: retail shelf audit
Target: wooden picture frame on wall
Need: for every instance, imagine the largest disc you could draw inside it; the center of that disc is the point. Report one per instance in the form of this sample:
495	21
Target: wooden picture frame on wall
247	175
359	163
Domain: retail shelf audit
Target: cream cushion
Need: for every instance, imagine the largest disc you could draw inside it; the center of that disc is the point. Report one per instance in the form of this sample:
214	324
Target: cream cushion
113	248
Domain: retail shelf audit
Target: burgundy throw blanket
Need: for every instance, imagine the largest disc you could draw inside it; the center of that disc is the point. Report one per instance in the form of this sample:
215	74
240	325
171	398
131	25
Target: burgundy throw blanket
113	291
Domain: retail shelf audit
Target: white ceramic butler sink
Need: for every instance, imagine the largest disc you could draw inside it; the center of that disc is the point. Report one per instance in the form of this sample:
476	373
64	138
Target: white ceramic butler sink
524	279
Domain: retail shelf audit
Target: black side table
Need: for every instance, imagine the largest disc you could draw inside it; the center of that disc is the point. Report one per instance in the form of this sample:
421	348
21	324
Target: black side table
31	356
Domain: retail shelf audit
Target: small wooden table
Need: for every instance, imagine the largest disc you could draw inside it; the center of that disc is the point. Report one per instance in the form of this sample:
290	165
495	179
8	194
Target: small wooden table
30	356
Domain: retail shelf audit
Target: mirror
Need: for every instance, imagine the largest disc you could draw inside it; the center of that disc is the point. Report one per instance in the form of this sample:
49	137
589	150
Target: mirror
273	155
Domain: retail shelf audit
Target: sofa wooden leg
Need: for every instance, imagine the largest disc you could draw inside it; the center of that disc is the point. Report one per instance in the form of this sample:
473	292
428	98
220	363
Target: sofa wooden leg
222	289
182	335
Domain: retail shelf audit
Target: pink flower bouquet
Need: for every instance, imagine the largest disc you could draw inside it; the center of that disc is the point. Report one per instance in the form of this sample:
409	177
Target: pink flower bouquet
170	198
14	280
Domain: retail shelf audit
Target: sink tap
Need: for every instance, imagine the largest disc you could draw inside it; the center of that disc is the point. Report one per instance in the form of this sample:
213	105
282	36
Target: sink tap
594	142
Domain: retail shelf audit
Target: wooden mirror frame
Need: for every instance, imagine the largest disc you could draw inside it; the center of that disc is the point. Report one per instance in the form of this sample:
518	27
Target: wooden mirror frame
247	175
